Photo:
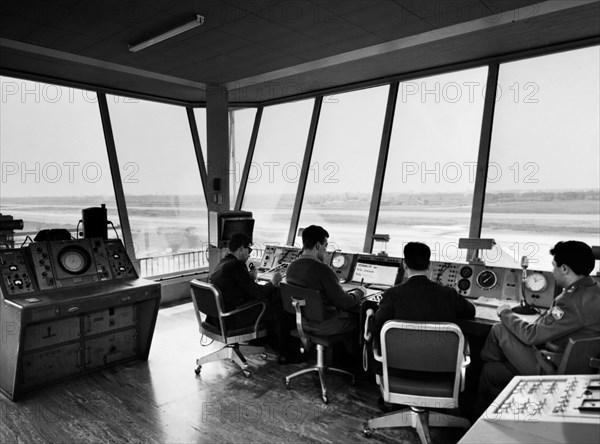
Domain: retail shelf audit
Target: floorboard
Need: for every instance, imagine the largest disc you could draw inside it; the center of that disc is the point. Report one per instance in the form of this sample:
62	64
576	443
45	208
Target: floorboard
163	401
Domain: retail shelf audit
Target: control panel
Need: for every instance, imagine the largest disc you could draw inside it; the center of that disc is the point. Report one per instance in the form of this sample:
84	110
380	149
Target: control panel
15	274
560	408
342	263
276	259
73	306
45	266
495	283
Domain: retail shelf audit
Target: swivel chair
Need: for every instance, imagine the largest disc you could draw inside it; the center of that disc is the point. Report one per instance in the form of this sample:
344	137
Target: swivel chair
581	357
208	300
424	368
306	305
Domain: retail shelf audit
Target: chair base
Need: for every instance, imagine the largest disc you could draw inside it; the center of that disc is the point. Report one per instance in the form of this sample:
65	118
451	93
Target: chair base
320	368
234	352
418	418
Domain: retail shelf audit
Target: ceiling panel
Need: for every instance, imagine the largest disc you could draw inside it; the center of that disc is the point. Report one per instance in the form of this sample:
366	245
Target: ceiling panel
272	49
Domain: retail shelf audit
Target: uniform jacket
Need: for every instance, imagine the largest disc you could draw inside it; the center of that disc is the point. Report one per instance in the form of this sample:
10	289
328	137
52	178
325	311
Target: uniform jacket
576	311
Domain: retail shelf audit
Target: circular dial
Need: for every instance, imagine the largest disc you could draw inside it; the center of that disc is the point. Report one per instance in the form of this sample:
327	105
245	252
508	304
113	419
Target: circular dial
464	284
487	279
338	261
536	282
466	272
74	260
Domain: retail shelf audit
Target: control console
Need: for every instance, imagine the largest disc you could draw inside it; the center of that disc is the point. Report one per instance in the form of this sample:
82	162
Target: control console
558	408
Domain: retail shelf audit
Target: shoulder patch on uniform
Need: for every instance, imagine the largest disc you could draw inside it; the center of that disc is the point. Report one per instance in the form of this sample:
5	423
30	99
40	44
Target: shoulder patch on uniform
557	313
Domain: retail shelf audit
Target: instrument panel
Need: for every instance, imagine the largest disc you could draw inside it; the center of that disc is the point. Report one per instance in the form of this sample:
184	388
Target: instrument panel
43	266
504	284
473	281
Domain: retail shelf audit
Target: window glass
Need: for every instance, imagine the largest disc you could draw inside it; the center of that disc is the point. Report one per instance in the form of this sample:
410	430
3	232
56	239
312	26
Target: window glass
53	157
342	168
241	122
162	185
544	175
430	174
275	170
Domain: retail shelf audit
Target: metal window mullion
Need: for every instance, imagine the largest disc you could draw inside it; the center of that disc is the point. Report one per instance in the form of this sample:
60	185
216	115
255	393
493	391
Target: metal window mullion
384	149
249	156
113	162
483	156
198	151
310	144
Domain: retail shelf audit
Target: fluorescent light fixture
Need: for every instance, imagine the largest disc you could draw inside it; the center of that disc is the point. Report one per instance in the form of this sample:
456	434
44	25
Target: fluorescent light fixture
198	21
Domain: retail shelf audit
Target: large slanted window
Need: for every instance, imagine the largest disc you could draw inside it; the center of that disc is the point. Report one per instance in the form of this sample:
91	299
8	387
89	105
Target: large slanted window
241	122
430	175
342	167
544	171
275	170
162	185
53	156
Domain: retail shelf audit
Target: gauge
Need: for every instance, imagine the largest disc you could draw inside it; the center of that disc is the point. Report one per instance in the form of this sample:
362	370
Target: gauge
466	272
487	279
338	261
536	282
464	284
74	260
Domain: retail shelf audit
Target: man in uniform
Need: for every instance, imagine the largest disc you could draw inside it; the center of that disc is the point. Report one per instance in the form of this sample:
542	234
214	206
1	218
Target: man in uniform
511	346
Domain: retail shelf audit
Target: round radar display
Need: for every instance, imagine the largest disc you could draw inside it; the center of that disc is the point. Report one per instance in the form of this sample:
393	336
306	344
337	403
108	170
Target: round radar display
536	282
338	261
74	260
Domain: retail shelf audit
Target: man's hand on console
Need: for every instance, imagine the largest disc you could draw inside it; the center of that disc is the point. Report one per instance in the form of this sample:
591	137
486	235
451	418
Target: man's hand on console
501	308
276	279
362	290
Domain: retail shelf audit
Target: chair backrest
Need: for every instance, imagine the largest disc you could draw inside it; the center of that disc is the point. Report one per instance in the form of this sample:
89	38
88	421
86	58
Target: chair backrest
207	299
313	309
432	347
578	356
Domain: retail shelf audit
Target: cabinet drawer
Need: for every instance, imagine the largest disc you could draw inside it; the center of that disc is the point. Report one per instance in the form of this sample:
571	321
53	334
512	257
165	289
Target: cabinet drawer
42	367
51	333
109	319
110	348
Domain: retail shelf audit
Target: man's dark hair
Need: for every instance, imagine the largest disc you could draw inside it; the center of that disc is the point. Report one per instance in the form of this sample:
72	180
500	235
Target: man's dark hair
577	255
312	235
416	256
238	240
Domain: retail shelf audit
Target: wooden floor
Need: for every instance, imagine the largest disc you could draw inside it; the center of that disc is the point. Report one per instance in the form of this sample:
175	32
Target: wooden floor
163	401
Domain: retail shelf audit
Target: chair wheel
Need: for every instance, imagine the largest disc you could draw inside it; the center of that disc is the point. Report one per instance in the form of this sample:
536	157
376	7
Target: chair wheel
197	370
287	385
247	373
325	399
367	431
264	356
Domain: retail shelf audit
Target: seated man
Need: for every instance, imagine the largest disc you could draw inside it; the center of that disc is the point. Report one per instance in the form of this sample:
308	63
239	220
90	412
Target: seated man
234	281
310	271
510	348
419	299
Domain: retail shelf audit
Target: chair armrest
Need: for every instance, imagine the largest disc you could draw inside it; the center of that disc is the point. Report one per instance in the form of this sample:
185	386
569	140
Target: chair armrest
377	355
246	307
548	361
366	333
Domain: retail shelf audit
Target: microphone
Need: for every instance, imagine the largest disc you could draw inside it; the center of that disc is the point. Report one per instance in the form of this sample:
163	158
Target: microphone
524	308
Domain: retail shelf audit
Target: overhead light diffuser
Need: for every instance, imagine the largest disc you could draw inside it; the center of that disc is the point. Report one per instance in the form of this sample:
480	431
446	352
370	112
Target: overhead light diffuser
199	20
